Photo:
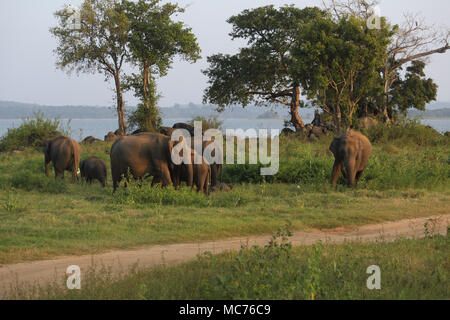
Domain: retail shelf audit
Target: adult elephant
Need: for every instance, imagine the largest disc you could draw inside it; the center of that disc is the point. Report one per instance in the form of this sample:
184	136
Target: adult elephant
64	153
351	151
144	154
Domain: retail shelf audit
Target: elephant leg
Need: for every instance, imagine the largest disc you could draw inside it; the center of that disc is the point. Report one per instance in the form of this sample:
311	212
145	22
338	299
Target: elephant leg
156	180
165	176
47	166
351	172
336	172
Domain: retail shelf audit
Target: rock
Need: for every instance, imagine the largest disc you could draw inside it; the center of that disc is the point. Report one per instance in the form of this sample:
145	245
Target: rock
90	140
316	132
222	187
447	134
110	137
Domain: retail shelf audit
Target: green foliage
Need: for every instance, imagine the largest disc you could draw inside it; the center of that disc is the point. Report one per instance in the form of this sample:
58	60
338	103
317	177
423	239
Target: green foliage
262	72
31	133
405	156
154	41
411	269
208	123
414	91
143	195
30	176
337	63
146	119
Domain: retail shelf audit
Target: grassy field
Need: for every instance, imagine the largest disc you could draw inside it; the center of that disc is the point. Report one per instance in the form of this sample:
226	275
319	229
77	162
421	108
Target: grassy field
408	176
410	269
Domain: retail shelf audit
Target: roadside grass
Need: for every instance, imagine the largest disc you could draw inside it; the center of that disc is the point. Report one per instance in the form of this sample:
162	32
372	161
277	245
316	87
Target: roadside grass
42	218
410	269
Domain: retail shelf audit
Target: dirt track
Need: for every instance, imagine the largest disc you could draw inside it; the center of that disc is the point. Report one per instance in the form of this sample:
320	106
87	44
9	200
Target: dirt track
49	270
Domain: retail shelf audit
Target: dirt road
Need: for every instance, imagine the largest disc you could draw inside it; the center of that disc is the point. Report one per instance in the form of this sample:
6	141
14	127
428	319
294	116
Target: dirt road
46	271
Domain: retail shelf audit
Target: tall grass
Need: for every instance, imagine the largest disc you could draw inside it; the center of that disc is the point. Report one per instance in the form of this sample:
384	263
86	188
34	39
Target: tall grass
410	269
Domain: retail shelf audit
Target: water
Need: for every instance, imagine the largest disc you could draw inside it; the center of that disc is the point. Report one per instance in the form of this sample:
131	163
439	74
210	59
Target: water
81	128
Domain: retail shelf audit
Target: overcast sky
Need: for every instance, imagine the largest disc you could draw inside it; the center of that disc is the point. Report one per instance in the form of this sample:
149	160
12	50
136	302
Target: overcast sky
27	62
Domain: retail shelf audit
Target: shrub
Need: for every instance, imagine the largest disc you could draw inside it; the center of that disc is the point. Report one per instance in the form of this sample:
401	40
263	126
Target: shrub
31	133
208	123
146	119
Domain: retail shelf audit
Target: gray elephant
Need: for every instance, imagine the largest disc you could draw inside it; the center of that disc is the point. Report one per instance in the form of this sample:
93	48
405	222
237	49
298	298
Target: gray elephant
144	154
216	168
351	151
64	153
94	168
201	174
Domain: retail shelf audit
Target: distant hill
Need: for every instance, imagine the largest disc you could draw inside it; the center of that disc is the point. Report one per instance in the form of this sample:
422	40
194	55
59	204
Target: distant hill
17	110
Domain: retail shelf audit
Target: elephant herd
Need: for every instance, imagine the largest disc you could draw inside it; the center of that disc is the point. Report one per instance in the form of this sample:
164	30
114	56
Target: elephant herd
143	155
138	156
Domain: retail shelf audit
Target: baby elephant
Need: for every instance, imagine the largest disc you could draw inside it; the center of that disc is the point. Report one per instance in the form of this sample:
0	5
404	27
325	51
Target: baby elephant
94	168
351	151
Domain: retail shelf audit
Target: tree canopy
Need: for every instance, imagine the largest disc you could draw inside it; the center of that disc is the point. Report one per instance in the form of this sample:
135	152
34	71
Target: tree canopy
262	72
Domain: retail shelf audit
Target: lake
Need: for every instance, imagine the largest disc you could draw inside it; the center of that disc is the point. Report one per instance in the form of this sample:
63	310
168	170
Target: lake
81	128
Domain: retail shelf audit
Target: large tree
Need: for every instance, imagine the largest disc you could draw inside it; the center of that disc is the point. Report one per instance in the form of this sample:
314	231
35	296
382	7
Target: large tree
337	64
97	44
155	40
261	73
411	41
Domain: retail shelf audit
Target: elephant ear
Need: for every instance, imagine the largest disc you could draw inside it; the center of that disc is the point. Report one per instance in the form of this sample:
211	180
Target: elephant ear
335	145
46	147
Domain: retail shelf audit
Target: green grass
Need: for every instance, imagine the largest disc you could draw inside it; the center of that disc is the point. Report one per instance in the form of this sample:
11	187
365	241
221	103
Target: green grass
42	218
410	269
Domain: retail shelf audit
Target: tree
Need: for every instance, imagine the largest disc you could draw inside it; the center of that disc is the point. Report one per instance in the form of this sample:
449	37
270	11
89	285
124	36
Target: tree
97	45
262	72
337	64
411	41
154	41
414	91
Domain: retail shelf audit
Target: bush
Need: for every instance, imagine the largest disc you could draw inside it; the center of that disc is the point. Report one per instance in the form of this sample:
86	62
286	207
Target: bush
406	132
208	123
31	133
146	119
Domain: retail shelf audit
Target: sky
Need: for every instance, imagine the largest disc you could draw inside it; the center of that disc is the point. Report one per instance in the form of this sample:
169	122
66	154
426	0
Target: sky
27	62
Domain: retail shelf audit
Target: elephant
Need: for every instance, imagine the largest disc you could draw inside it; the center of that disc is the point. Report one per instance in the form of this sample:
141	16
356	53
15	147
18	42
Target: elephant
64	153
94	168
351	151
216	168
201	174
185	126
167	131
144	154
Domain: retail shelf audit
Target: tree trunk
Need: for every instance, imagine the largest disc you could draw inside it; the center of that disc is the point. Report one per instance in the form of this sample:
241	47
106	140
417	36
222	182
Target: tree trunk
120	105
296	120
146	86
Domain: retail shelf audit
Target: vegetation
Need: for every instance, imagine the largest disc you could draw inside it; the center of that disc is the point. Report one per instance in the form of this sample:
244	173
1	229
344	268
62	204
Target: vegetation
407	177
31	133
207	122
411	269
335	57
